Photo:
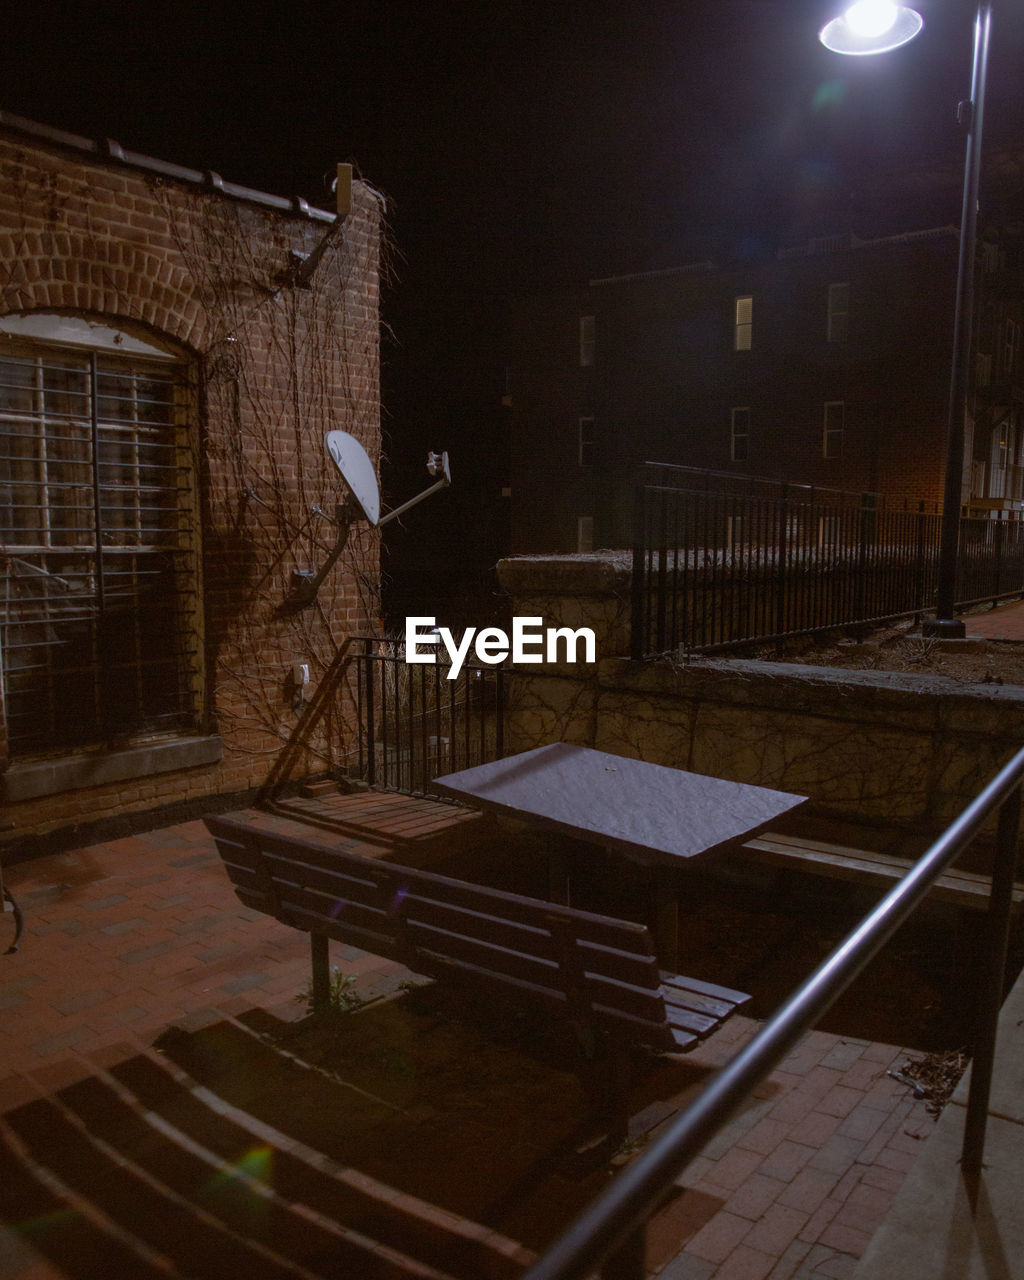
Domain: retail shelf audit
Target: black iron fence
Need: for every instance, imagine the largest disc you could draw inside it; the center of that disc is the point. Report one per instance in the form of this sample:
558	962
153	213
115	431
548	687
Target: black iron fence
717	561
416	724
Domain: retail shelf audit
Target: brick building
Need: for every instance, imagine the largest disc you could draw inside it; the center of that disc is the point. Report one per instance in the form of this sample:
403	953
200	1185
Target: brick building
165	387
826	365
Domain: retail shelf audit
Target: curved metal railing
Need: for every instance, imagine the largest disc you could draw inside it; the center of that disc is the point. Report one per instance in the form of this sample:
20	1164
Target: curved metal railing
610	1234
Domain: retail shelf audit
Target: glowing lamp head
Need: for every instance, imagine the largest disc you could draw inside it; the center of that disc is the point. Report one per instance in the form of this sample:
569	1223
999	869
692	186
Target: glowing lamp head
871	26
871	18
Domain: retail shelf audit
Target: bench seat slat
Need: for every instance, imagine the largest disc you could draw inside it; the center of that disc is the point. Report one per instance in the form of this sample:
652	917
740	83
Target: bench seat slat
840	862
683	1040
698	1023
677	999
700	987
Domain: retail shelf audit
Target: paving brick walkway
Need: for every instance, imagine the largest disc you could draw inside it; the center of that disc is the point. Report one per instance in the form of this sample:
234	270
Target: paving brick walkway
126	939
1003	623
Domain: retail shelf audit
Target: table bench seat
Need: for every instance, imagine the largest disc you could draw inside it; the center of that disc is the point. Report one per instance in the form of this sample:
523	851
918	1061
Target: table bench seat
964	889
598	972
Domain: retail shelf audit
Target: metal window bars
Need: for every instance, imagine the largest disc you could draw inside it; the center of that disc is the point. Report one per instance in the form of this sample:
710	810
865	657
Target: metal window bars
99	626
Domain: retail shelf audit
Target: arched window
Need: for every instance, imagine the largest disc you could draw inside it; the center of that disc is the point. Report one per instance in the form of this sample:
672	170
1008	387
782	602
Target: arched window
100	631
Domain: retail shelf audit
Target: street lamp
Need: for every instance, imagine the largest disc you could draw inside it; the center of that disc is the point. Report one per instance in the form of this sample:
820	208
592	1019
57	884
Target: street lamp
876	26
871	26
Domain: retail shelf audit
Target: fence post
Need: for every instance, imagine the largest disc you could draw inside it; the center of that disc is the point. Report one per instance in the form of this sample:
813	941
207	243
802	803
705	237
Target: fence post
864	533
997	581
921	602
371	715
781	606
638	591
661	604
990	997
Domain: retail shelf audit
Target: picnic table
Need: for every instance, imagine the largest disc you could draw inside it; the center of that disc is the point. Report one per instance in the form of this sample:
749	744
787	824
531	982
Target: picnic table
655	816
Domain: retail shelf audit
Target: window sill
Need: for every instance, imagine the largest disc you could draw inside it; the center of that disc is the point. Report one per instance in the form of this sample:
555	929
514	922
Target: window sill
34	779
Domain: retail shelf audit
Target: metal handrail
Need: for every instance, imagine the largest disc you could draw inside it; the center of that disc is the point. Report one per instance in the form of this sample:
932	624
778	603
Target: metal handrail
610	1231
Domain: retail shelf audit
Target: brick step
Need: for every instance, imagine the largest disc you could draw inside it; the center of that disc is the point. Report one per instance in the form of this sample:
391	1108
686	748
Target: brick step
302	1172
207	1062
161	1229
154	1168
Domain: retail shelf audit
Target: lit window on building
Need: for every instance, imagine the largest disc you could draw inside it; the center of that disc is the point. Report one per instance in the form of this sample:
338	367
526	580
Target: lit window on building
744	323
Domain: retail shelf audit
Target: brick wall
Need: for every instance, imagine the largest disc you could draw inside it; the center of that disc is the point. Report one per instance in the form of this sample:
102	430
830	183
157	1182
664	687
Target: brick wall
198	270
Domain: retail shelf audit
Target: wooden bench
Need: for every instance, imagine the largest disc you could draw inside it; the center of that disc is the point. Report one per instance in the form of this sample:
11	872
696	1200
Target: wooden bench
964	889
597	972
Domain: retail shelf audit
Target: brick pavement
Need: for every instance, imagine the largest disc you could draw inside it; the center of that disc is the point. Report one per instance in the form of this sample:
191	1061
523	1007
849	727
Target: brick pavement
128	938
1003	623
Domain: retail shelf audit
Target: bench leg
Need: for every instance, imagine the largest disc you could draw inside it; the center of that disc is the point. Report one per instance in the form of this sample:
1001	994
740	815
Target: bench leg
319	949
606	1075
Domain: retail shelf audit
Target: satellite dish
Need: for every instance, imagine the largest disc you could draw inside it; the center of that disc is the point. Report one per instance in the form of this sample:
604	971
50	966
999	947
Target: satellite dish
352	460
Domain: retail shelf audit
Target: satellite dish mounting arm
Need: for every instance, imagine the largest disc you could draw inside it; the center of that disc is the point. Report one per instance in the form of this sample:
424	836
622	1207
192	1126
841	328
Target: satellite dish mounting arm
306	583
358	473
437	464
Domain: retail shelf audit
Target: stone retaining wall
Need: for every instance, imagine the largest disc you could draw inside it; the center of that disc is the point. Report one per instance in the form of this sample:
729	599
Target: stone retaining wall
864	746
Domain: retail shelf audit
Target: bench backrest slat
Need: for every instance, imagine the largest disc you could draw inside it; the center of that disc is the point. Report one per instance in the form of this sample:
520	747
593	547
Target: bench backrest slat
594	966
532	955
601	930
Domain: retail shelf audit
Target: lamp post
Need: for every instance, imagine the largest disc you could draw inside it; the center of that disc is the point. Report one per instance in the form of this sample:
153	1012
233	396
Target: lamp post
876	26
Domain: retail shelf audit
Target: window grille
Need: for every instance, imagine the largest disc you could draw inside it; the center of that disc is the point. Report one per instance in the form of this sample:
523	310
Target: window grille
100	634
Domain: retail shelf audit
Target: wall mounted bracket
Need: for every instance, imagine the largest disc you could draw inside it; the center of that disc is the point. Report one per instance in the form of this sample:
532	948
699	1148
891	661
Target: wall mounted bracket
303	265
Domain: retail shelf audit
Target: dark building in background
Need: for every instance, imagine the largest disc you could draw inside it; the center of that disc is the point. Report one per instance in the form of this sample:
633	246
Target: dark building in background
827	365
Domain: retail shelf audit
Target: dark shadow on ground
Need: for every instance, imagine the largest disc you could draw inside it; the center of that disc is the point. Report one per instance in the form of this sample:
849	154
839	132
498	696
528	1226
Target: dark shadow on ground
415	1136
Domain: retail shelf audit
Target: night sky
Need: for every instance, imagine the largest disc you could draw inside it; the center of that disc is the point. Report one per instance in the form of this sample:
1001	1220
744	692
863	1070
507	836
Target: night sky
521	145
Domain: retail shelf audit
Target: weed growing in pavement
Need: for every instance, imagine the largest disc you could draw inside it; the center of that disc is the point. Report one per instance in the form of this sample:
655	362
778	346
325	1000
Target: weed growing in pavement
341	995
